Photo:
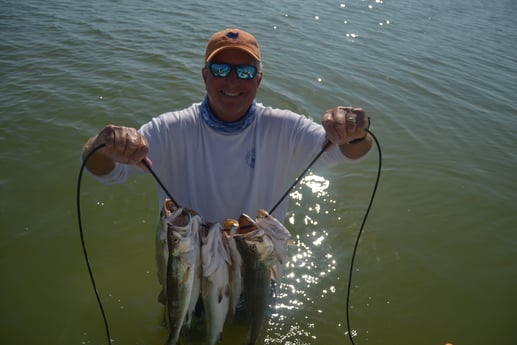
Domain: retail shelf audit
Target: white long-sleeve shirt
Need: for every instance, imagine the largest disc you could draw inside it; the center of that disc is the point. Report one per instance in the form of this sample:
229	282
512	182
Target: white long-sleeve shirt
222	175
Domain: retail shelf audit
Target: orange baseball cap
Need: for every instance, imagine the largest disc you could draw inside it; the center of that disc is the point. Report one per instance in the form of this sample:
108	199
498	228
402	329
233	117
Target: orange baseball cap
232	38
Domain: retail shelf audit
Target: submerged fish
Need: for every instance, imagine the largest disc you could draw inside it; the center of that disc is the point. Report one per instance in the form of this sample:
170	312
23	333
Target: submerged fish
215	281
180	278
258	257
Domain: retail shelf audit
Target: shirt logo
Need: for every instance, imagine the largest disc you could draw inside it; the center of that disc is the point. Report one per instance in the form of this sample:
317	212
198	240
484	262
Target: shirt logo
250	158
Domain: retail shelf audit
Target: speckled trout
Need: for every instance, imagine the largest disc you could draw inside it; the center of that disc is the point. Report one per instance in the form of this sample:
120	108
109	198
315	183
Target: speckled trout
178	265
258	257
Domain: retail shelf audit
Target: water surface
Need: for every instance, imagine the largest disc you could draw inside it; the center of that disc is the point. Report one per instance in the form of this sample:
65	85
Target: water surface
436	262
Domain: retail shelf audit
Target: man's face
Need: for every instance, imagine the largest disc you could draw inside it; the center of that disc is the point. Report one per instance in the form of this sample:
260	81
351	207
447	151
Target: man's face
231	97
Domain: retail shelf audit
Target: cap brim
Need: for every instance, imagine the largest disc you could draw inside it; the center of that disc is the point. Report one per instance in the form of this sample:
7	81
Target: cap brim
249	52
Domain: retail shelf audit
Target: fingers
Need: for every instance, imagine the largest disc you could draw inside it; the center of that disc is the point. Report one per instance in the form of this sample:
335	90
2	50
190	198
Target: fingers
124	144
344	124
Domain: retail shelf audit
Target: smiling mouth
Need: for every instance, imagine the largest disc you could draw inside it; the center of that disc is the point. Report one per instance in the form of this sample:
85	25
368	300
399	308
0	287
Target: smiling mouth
231	94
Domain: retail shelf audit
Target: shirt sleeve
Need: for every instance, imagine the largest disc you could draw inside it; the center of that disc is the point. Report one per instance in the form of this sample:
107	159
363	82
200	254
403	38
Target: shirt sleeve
119	174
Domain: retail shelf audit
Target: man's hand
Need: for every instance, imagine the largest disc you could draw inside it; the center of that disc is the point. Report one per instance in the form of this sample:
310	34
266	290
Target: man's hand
343	125
122	145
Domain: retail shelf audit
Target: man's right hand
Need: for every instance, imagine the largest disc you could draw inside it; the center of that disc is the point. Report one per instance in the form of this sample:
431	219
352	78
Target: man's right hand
122	145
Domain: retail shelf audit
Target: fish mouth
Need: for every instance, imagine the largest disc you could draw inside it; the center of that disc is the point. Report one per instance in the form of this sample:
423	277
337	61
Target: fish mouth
182	220
246	224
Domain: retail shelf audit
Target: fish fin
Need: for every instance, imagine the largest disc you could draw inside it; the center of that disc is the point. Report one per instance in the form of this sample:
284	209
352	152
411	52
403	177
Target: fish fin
220	295
274	273
161	297
223	293
187	274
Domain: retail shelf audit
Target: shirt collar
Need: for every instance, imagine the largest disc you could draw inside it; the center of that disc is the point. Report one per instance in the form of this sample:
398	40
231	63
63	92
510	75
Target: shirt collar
227	127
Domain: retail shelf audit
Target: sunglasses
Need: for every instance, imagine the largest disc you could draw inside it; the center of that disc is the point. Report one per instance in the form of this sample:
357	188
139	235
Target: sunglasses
223	70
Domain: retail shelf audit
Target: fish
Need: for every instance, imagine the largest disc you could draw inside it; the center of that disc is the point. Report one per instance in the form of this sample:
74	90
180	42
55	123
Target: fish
162	249
258	257
230	229
180	278
281	238
168	212
215	287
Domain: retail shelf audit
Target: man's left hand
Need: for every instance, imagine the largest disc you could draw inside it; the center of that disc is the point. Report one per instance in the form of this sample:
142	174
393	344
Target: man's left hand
344	124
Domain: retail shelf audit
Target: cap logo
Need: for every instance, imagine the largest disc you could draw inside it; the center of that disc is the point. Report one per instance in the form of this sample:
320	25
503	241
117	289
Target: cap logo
233	35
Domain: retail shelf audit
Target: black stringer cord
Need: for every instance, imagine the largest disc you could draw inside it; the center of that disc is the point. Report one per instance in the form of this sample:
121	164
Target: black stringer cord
272	210
349	331
83	242
299	177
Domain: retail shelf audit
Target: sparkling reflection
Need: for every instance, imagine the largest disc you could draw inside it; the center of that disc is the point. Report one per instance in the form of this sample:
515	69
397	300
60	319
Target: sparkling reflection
305	284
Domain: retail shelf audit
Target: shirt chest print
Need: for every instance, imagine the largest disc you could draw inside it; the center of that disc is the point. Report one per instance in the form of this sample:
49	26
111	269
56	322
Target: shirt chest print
250	158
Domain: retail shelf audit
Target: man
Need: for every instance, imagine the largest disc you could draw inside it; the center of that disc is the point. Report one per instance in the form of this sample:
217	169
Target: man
229	155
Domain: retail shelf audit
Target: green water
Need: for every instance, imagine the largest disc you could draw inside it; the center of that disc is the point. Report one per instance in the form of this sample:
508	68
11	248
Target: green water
436	262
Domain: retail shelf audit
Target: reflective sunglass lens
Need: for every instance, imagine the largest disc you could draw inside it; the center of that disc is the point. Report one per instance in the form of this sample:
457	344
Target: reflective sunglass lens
246	71
220	69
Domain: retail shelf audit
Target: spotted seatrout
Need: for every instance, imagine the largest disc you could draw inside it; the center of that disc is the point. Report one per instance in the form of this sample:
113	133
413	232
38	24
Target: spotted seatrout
258	257
178	265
